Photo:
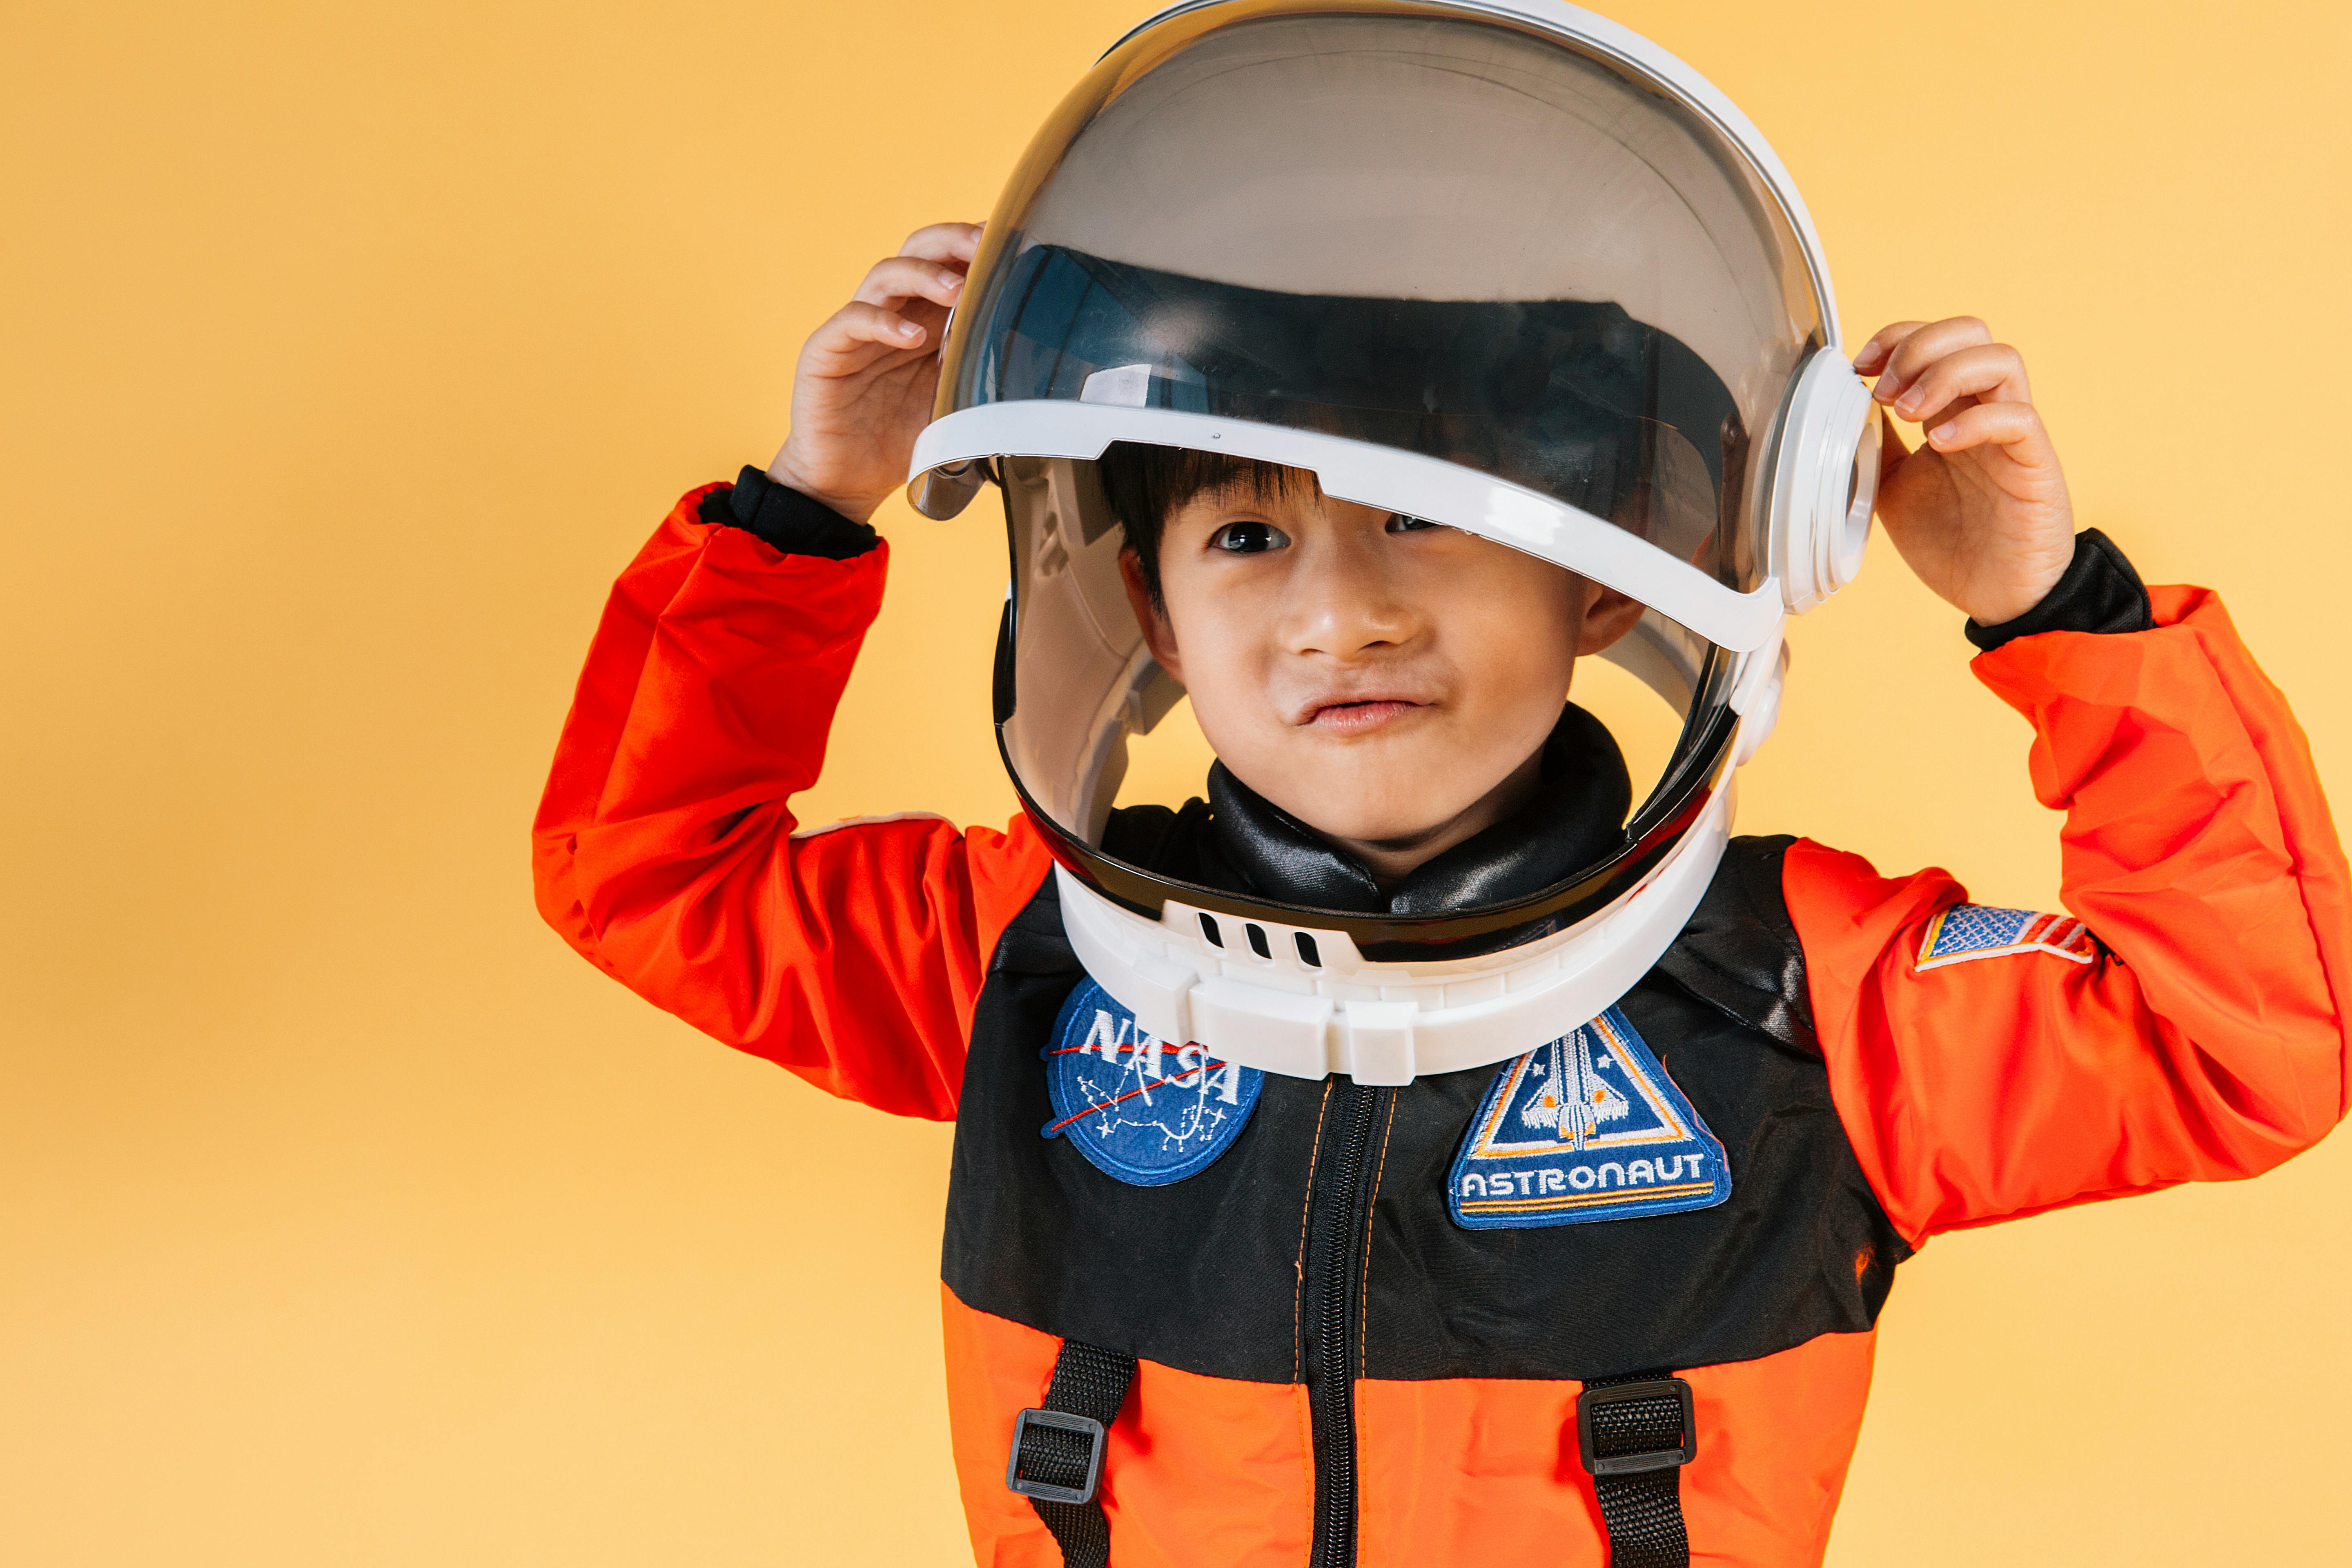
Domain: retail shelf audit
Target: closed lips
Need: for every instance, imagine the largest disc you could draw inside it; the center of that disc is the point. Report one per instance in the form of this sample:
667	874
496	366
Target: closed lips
1355	715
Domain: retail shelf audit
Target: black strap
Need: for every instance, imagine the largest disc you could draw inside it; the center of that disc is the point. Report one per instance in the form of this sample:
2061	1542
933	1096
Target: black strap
1065	1456
1634	1434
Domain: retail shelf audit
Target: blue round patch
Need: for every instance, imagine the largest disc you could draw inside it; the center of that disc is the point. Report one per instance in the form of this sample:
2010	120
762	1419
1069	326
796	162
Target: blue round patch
1138	1108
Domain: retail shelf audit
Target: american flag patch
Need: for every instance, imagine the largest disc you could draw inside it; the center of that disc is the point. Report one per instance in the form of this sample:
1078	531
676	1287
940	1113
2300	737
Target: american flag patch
1967	931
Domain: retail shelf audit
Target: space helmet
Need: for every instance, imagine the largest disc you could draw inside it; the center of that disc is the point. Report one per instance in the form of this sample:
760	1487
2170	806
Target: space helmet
1505	267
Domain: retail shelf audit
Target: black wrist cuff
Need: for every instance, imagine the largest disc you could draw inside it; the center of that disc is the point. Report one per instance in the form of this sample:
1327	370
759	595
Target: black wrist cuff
785	520
2099	593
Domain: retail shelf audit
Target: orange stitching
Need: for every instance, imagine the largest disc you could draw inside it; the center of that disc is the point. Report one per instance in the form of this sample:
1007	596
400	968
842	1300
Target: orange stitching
1364	1295
1298	1295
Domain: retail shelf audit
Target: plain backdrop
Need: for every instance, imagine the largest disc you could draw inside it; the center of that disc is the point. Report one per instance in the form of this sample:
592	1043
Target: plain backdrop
347	351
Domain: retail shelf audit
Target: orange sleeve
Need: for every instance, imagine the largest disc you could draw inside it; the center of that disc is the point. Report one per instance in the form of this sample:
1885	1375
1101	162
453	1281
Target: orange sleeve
664	853
2191	1029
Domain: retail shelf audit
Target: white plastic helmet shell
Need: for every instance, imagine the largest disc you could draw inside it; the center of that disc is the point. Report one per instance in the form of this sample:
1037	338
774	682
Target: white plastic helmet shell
1202	183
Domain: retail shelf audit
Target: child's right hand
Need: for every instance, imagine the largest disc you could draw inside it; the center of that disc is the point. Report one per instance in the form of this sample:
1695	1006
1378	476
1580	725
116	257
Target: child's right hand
863	387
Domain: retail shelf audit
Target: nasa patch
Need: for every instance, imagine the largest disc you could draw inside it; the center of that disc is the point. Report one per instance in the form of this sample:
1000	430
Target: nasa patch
1586	1127
1138	1108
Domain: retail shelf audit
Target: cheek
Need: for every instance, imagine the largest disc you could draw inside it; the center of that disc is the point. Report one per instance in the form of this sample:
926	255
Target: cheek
1516	638
1226	664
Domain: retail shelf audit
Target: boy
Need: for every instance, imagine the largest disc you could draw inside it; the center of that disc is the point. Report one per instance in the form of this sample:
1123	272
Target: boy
1358	1164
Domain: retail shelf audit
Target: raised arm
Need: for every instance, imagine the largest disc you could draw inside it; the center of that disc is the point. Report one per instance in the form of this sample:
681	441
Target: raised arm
665	849
2185	1024
2188	1022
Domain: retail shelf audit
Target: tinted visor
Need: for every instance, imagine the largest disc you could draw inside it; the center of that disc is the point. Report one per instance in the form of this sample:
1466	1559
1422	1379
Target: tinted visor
1570	398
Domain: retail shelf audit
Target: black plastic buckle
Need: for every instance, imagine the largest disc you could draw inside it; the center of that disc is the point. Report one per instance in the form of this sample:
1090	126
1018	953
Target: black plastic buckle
1633	1464
1062	1420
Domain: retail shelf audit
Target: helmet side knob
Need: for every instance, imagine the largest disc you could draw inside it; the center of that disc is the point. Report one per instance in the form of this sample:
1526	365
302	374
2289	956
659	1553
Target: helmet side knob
1824	482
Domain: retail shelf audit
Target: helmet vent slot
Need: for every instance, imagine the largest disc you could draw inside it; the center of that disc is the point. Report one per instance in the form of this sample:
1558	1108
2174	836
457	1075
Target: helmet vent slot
1257	940
1306	954
1209	928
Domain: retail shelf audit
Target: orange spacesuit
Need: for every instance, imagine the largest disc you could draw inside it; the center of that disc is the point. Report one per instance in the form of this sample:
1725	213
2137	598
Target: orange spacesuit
1877	1060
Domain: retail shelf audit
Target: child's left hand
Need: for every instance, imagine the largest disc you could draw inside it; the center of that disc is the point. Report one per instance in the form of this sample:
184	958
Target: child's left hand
1979	510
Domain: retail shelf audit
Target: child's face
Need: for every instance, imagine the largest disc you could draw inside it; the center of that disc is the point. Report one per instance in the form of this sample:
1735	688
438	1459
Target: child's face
1380	678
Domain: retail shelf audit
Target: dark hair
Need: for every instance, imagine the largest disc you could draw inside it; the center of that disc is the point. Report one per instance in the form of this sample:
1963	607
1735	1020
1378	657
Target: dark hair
1146	485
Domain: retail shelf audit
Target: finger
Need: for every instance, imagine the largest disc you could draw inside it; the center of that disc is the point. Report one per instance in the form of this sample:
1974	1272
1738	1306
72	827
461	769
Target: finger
2011	425
902	278
958	242
1871	357
1924	348
850	333
1989	373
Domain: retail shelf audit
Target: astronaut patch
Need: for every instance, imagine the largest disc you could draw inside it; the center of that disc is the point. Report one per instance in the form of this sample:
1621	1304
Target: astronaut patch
1968	932
1586	1127
1138	1108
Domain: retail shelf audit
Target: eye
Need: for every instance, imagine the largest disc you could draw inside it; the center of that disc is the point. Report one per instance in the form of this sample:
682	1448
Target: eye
1249	538
1400	523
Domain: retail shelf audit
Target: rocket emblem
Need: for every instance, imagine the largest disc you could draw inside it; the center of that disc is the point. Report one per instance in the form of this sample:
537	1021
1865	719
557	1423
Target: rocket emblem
1588	1127
1571	1098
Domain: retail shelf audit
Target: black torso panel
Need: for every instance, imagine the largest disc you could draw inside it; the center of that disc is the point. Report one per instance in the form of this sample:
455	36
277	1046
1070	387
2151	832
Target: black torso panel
1203	1273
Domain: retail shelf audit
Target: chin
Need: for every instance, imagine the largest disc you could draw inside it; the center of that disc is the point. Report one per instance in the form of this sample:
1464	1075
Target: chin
1373	821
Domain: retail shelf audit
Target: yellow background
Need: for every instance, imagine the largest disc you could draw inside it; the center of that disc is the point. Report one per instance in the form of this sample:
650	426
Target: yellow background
346	351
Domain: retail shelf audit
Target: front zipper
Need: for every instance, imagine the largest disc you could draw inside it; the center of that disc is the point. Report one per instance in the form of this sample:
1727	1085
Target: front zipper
1332	1263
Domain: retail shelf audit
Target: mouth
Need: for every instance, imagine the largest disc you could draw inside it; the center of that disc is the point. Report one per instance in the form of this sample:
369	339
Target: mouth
1360	716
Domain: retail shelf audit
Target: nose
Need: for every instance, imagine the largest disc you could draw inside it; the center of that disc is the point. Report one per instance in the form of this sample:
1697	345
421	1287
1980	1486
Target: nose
1346	598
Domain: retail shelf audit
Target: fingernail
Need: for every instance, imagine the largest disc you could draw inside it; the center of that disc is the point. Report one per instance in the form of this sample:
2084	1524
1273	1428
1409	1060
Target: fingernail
1886	388
908	329
951	279
1943	432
